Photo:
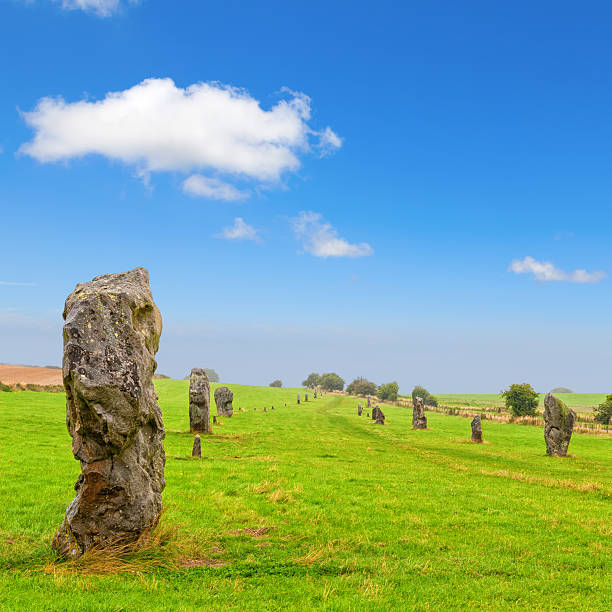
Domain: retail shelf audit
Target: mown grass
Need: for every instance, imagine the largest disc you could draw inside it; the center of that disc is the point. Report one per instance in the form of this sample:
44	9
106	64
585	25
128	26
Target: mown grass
313	507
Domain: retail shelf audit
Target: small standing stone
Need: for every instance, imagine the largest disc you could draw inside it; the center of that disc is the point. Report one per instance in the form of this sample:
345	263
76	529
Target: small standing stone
305	397
265	409
298	398
315	394
199	401
224	398
272	408
197	447
476	430
559	423
214	419
419	420
368	415
369	402
359	410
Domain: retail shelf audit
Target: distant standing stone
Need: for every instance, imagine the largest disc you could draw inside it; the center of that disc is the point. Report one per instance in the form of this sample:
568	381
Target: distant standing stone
369	402
265	409
111	334
199	401
380	417
315	394
558	425
419	420
368	415
197	447
224	398
476	429
214	419
359	410
298	398
305	397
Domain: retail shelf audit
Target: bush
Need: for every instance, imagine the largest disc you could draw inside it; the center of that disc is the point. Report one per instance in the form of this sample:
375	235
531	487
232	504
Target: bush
603	412
313	380
4	387
521	399
276	383
361	386
388	392
425	395
331	382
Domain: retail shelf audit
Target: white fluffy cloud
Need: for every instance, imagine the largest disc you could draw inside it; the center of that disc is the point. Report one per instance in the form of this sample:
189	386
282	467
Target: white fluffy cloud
546	271
321	239
240	231
157	126
213	188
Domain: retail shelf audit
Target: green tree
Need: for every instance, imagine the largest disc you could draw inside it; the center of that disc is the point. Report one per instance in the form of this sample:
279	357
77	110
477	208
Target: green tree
425	395
276	383
331	382
388	391
603	412
521	399
313	380
361	386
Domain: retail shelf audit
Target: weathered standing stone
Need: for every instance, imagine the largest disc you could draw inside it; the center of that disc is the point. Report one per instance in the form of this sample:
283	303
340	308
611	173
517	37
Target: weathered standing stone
380	417
369	402
375	412
315	394
558	425
476	429
111	334
224	398
359	410
298	398
199	401
214	419
419	420
197	447
265	409
305	397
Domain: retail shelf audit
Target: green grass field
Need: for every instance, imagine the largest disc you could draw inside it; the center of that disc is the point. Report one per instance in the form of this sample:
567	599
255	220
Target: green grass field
312	507
580	401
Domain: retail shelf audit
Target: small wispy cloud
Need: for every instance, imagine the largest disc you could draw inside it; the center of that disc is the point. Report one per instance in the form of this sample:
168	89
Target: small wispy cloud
212	188
321	239
563	235
240	231
102	8
16	284
545	271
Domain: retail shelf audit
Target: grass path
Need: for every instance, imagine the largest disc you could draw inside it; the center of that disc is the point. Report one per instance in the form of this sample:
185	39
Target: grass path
313	507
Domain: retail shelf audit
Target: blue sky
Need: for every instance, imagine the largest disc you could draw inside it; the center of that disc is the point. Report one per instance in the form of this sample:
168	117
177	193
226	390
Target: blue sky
409	191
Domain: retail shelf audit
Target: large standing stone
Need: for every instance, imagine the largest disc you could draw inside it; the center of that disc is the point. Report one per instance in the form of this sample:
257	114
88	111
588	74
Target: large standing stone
419	420
380	417
558	425
375	412
111	334
199	402
224	398
476	429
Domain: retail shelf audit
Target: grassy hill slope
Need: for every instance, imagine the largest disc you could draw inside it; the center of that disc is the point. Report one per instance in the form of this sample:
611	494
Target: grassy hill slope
313	507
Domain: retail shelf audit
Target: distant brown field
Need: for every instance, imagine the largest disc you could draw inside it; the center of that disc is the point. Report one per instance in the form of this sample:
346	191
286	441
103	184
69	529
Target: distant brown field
13	374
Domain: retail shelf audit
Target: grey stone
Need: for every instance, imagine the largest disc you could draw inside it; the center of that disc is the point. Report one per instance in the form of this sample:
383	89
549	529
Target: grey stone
224	398
476	429
369	402
380	417
111	334
298	399
558	426
419	420
199	401
359	410
197	447
375	412
305	397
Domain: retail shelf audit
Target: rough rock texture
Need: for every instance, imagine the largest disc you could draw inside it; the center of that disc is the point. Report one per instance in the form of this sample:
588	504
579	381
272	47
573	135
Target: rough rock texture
224	398
476	429
380	417
111	334
199	401
419	420
375	412
197	447
359	410
559	423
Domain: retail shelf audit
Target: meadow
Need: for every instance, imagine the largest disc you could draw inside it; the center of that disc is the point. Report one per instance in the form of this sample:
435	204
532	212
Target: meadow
583	402
312	507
